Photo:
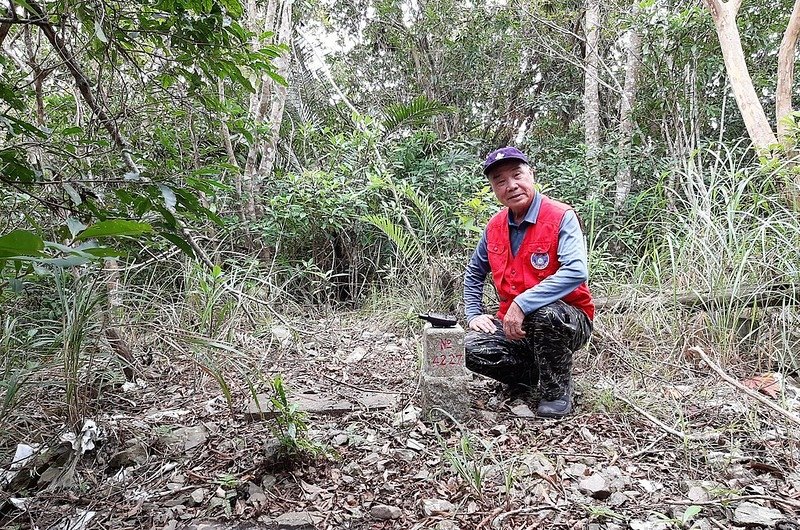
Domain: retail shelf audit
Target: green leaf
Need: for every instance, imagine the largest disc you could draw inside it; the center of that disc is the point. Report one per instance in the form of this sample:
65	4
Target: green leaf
75	226
169	197
115	228
98	31
180	243
691	512
103	252
20	243
233	7
70	131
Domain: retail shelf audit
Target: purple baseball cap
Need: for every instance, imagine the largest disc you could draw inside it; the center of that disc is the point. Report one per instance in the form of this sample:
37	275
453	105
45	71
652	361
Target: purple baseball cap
501	155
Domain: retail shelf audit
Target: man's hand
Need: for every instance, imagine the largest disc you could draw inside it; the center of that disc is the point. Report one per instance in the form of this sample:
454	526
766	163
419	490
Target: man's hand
512	322
483	323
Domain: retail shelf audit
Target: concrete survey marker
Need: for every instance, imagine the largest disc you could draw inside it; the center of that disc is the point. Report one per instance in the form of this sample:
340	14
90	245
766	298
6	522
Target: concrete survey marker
444	377
444	351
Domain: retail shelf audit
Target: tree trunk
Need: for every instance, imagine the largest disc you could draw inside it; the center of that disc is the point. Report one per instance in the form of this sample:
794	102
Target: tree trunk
758	127
786	54
269	147
591	95
267	104
633	49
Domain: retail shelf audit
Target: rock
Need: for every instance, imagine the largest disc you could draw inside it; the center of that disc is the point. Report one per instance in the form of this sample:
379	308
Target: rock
356	355
521	410
197	496
436	507
340	439
295	521
697	494
191	437
595	486
383	511
255	494
498	430
134	454
617	499
443	352
577	469
749	513
446	525
487	416
261	407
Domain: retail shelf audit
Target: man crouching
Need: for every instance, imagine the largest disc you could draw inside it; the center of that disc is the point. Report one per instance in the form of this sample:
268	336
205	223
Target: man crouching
534	248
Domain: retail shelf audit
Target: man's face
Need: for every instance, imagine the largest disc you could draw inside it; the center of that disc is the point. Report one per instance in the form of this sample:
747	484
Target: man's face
512	184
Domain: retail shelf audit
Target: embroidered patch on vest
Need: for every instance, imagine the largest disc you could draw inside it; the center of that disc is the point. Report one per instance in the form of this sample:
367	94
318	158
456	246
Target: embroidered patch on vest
540	261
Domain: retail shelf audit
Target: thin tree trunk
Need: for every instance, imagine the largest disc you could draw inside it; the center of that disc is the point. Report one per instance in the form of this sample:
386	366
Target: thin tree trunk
260	102
758	127
633	48
591	94
270	145
786	55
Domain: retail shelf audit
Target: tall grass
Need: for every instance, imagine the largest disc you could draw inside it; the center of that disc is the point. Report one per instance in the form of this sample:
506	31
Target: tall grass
728	231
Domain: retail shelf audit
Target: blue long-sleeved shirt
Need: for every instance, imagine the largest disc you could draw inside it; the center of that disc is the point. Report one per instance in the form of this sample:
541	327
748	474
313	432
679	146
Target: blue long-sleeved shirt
572	271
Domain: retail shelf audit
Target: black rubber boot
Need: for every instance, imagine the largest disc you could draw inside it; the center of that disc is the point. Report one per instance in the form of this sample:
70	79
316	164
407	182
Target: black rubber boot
557	408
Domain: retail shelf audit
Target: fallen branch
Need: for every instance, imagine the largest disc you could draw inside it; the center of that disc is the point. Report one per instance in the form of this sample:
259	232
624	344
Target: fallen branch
733	382
762	296
788	502
666	428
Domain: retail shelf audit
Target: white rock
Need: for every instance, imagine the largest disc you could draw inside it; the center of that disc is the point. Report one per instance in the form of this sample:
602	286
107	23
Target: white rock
595	486
382	511
356	355
522	411
436	507
281	333
749	513
697	494
198	495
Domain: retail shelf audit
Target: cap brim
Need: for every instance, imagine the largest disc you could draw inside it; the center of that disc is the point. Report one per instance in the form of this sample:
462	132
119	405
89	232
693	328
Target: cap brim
502	161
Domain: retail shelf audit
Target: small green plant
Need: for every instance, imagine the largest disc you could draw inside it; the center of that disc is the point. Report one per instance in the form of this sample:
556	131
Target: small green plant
469	466
227	481
603	513
291	425
79	304
686	520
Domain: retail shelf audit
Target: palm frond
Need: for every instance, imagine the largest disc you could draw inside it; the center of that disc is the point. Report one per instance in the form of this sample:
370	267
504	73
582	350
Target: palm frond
417	111
406	243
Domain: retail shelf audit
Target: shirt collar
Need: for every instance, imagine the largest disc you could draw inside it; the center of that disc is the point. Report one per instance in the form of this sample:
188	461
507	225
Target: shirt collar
533	211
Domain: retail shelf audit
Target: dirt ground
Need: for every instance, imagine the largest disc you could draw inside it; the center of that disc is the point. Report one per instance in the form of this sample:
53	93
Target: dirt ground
170	452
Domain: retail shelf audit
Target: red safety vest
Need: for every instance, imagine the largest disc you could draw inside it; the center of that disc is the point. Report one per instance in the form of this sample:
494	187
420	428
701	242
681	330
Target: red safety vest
536	259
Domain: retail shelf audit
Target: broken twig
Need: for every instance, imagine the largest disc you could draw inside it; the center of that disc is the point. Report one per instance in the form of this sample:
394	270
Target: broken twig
666	428
733	382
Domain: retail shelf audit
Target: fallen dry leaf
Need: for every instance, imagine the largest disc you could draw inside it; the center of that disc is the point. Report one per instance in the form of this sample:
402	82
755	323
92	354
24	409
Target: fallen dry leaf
768	384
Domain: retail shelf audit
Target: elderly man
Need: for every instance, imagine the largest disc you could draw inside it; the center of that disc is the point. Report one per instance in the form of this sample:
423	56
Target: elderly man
535	251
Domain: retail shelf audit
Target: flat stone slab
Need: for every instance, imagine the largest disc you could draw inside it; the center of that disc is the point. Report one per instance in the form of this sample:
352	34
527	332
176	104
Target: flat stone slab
318	404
